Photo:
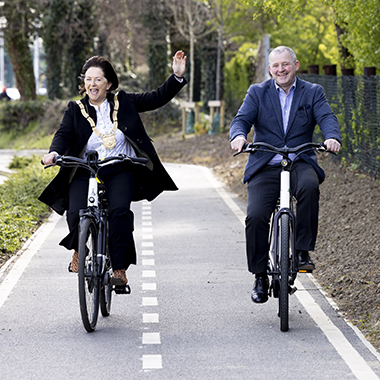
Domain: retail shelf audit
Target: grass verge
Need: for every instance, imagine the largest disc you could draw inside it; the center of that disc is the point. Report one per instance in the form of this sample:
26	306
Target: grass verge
21	213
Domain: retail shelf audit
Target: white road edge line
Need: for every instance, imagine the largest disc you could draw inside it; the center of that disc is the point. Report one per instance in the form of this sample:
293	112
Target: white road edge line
336	308
352	358
25	255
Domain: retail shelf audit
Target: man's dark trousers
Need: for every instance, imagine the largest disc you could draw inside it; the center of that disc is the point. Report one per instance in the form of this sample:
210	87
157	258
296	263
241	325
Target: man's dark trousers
263	192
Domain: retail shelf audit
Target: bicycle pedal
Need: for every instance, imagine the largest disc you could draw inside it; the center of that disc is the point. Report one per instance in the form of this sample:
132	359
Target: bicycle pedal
305	271
122	289
292	290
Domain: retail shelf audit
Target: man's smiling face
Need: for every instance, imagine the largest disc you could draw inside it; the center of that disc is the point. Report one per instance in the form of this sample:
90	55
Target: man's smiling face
283	69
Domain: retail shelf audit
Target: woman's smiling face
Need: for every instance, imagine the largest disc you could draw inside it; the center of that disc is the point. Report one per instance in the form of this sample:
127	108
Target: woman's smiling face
96	85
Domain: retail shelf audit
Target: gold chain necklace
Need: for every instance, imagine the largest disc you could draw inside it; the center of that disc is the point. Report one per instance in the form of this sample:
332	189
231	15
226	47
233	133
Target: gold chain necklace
109	139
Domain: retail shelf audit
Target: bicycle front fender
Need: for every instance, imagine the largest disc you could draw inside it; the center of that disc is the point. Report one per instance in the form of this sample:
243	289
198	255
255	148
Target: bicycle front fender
292	221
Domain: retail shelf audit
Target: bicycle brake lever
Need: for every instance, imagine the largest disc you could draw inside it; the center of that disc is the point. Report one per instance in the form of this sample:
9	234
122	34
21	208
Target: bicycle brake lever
328	151
323	149
55	159
243	150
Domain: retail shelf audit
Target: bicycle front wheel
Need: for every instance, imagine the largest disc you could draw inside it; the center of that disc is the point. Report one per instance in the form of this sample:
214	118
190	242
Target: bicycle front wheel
89	282
284	272
106	293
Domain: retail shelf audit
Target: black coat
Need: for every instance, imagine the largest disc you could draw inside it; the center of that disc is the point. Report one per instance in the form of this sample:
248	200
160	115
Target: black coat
72	136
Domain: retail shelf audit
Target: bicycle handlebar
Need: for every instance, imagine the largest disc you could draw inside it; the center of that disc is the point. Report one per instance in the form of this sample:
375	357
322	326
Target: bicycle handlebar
93	163
265	147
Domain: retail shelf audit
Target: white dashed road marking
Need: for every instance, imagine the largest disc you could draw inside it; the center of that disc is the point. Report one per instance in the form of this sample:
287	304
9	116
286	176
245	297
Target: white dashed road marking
150	318
152	361
149	300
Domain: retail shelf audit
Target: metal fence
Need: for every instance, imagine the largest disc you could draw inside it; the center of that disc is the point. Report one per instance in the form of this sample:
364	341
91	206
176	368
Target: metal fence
355	101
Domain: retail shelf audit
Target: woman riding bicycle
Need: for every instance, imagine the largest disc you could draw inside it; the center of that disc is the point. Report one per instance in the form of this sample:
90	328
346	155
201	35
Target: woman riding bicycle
110	124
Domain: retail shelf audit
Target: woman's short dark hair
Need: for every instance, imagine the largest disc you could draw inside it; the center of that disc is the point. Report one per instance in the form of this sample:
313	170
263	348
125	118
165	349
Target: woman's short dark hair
108	70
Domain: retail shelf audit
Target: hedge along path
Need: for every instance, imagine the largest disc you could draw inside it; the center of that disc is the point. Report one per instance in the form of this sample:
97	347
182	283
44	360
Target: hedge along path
21	213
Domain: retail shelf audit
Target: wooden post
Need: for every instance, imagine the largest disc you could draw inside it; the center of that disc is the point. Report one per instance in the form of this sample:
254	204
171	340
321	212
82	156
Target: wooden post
212	109
330	69
222	110
314	69
196	108
183	119
369	71
191	105
348	72
217	104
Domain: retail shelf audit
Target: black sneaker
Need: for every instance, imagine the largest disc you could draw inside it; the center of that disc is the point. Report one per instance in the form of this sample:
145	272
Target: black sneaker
304	261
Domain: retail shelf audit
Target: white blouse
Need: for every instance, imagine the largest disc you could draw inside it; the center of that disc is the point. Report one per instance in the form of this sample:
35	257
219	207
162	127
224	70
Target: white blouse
104	125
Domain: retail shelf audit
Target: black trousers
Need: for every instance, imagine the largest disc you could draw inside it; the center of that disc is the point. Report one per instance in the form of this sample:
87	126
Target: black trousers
120	188
263	191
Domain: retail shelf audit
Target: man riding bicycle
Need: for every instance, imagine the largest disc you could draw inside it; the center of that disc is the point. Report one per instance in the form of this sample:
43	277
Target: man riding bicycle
284	111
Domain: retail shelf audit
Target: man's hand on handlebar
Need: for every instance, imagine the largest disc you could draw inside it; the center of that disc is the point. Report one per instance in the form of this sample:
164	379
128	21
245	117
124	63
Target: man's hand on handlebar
332	145
238	143
48	158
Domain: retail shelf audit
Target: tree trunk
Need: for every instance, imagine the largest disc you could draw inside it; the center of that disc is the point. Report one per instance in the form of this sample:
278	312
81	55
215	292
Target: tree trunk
192	71
17	44
345	56
54	41
219	63
157	46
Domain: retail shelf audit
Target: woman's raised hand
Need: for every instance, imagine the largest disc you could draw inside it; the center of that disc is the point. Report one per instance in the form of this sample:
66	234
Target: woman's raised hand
179	63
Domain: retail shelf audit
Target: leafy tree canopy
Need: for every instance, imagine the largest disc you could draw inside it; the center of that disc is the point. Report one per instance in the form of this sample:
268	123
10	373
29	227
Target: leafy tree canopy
311	28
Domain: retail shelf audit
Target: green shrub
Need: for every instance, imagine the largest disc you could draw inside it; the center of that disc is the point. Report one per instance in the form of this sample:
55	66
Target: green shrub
43	118
20	162
239	75
20	210
15	116
163	120
53	113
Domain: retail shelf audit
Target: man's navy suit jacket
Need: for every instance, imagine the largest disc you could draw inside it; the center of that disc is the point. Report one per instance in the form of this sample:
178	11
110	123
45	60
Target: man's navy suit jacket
262	110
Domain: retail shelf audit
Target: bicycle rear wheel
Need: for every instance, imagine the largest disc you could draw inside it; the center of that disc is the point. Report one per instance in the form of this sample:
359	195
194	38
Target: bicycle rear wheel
284	272
89	282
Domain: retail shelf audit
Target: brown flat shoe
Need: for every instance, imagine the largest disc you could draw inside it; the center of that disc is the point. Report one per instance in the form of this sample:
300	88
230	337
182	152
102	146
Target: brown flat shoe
74	265
119	278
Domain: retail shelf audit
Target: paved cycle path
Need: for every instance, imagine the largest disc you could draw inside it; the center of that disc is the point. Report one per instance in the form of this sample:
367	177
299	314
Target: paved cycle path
189	315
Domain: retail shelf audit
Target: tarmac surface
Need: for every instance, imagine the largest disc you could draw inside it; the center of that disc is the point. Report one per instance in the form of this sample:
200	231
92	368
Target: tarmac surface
189	315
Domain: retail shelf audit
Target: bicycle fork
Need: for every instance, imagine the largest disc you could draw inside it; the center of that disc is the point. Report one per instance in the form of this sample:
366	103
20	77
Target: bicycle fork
284	208
93	205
